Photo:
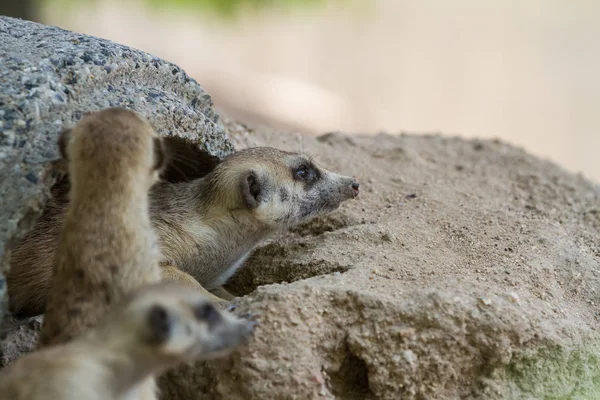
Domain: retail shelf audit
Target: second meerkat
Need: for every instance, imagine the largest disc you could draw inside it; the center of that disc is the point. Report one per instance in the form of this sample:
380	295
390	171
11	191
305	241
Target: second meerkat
107	246
153	329
206	227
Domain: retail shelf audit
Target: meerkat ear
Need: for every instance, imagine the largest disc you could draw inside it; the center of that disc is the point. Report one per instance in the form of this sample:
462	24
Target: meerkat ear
161	156
159	324
63	142
251	189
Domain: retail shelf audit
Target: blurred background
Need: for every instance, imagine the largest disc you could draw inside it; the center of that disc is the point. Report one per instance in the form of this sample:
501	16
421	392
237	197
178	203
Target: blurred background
527	72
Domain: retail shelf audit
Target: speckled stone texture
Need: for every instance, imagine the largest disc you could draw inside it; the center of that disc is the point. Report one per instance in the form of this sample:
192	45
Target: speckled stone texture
49	78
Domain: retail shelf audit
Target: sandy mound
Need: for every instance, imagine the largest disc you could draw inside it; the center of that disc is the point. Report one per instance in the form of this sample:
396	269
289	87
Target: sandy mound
465	269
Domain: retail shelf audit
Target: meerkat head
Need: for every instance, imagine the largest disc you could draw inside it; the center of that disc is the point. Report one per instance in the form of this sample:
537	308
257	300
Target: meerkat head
175	323
113	142
280	188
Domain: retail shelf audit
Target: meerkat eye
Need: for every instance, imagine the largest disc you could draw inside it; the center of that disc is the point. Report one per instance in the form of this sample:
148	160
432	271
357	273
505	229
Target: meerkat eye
207	312
160	324
302	173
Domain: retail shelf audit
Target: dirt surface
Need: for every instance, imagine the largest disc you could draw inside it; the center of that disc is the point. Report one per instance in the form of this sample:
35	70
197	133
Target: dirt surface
465	269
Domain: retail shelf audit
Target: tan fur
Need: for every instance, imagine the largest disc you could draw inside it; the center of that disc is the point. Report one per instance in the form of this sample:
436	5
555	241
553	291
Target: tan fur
173	274
107	247
206	228
154	329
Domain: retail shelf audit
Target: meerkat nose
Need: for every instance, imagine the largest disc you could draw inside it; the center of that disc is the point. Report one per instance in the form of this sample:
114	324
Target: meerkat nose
355	185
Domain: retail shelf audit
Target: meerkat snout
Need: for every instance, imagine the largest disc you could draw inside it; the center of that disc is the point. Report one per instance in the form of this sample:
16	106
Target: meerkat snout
348	187
355	185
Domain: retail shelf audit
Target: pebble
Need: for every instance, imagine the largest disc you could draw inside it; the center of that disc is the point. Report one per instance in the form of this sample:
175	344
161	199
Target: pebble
409	356
513	297
485	301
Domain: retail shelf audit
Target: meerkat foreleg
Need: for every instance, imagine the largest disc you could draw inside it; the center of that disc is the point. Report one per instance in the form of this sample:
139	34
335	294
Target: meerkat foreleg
171	273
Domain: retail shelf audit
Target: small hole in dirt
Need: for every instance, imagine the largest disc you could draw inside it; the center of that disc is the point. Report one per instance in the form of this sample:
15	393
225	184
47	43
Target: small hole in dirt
351	381
288	259
278	263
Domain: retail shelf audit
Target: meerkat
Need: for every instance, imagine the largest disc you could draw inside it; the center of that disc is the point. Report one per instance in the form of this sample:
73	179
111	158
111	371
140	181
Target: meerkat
206	227
107	245
153	329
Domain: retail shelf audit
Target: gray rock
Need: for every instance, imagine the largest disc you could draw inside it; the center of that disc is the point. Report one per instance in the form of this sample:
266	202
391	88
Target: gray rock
19	341
49	78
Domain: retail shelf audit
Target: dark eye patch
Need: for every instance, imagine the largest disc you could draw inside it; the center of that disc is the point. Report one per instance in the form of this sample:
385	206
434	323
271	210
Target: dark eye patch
305	172
207	312
160	324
